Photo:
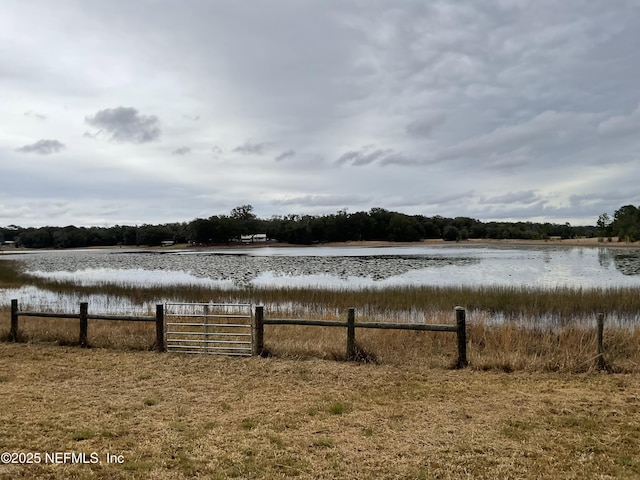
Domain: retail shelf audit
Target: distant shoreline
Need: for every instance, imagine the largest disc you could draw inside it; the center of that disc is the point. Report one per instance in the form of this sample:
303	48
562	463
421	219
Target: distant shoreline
571	242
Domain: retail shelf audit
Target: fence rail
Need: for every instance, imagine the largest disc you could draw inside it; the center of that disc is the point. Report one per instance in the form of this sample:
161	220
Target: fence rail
84	316
252	342
460	329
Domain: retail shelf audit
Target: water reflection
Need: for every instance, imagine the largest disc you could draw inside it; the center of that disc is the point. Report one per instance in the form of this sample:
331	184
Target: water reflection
345	267
626	261
90	268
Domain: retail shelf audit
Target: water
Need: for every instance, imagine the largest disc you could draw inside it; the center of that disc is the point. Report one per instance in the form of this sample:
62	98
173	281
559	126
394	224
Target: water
341	267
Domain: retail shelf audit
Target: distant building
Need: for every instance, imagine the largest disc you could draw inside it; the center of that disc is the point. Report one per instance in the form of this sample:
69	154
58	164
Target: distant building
255	238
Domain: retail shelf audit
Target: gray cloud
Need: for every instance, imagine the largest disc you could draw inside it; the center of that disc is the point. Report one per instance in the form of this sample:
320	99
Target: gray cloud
424	126
327	200
32	114
526	197
621	125
181	151
43	147
252	148
126	125
370	154
216	150
545	130
283	155
490	100
89	134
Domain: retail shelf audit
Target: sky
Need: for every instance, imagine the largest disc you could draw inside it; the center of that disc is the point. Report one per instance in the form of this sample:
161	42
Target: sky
124	112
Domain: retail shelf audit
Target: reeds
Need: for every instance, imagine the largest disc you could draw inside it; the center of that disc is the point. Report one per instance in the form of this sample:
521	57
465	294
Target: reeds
506	347
510	327
509	301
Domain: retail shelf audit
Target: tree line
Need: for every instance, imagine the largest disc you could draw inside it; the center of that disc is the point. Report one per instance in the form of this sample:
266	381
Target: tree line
625	224
375	224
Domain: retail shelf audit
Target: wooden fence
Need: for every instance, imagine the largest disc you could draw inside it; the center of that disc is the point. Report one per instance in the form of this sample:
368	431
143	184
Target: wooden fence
259	321
83	316
460	329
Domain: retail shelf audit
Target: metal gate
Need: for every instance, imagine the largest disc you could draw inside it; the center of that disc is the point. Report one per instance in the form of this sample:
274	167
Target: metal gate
213	328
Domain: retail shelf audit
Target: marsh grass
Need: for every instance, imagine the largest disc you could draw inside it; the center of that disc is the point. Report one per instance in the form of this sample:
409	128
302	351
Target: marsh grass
564	303
509	328
10	275
508	347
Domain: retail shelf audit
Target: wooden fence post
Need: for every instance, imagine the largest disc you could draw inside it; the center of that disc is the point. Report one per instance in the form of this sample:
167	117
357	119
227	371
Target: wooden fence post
461	326
13	333
257	347
351	334
84	309
600	363
160	345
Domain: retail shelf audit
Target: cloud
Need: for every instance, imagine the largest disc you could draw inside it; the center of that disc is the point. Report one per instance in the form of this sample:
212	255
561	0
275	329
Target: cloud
181	151
321	200
424	126
548	128
33	114
126	125
621	125
216	150
88	134
283	155
251	148
526	197
370	154
43	147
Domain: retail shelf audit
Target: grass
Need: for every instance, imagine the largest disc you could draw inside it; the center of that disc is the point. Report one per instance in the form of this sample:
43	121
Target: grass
563	304
509	328
531	405
507	347
252	418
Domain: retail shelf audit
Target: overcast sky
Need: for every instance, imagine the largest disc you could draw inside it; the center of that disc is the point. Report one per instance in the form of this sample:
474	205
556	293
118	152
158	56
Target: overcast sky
156	111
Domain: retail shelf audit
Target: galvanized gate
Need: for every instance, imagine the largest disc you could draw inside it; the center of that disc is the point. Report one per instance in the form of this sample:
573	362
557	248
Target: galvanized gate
213	328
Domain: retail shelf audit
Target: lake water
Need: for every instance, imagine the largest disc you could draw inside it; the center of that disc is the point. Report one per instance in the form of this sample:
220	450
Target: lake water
344	267
325	267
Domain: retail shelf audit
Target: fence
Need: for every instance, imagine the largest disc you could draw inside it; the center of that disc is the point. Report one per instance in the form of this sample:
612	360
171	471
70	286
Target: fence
83	316
257	323
460	329
213	328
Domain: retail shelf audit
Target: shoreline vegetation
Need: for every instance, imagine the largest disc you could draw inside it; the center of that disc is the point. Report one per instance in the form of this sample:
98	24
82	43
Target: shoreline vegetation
509	328
378	224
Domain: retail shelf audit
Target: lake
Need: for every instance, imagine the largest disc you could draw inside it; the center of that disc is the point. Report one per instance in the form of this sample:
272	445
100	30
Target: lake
322	267
344	267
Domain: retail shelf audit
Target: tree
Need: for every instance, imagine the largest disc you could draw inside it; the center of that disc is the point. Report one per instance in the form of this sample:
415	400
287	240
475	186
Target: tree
246	221
244	212
604	225
451	234
626	223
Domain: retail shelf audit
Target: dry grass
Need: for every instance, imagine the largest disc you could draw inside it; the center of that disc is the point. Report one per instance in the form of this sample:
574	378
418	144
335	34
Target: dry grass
508	347
175	416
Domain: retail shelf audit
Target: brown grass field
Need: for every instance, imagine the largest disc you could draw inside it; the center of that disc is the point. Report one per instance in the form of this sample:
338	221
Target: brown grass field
178	416
531	405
